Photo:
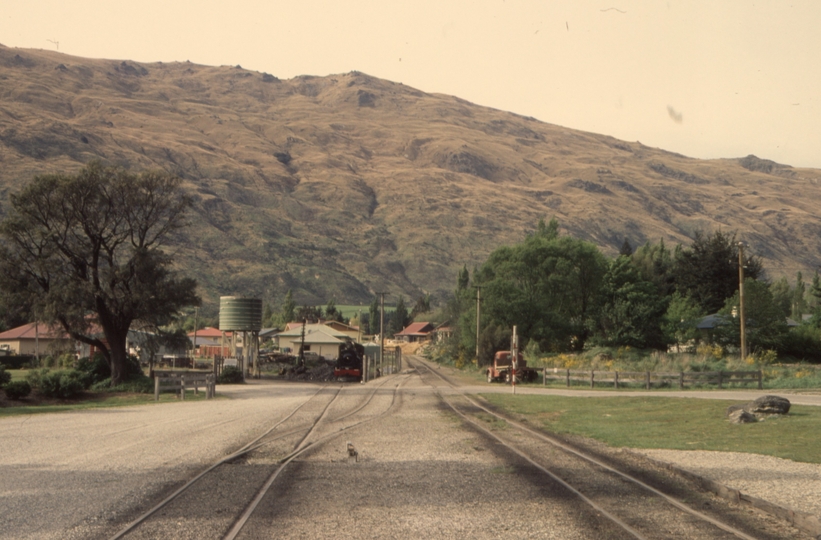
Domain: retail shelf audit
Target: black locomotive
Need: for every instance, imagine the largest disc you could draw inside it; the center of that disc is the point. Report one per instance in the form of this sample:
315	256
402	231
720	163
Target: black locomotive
349	361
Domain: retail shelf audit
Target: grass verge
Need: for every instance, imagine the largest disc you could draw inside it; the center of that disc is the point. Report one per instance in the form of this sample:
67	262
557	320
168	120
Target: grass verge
90	400
670	423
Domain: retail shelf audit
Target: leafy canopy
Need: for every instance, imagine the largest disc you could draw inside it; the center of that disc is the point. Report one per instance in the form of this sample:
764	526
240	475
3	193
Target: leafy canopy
87	250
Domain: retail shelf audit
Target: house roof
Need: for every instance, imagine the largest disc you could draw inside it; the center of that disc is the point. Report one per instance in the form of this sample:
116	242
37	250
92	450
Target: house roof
209	332
316	336
416	329
33	331
297	331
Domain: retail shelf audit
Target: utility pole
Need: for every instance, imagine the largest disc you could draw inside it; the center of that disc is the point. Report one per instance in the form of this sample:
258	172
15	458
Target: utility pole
381	327
478	289
741	300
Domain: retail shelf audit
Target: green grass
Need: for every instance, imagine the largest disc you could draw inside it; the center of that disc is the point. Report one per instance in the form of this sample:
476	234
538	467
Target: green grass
102	400
671	423
18	374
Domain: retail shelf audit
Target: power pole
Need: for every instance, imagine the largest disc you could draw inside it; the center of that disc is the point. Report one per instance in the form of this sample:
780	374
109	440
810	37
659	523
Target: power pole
381	327
741	300
478	289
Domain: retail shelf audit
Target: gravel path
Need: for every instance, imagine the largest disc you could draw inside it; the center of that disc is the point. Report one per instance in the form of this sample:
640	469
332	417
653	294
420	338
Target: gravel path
67	475
80	474
780	481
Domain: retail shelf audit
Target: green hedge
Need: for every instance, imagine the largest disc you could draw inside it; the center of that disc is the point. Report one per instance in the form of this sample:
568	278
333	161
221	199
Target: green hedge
18	361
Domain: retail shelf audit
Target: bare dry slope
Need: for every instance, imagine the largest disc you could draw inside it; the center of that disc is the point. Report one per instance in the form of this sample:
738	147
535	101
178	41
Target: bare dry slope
343	185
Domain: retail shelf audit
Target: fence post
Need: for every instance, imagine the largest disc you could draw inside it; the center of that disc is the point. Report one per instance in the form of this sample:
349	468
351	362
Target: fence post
544	376
648	380
156	388
719	379
681	379
182	387
592	378
616	380
760	379
568	378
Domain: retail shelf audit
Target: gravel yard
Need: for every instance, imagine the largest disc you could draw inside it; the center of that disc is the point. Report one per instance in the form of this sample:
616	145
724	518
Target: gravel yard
419	474
780	481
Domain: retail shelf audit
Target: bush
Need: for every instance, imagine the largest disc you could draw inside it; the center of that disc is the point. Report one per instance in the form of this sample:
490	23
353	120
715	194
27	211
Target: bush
5	378
230	375
97	368
140	385
17	361
17	389
63	384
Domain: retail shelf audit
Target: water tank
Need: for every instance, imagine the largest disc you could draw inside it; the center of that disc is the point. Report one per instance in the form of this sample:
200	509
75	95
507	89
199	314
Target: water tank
240	314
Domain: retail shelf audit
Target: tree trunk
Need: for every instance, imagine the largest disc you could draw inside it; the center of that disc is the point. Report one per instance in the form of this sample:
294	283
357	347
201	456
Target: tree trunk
116	338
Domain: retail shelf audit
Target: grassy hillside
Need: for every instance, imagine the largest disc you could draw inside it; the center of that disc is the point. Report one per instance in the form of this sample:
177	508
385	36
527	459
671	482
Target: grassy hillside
346	185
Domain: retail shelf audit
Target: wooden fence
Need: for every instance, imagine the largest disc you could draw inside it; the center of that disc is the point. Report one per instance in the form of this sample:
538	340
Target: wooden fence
180	380
648	379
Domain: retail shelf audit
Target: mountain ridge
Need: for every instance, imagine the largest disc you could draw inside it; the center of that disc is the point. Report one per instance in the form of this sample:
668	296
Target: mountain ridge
346	185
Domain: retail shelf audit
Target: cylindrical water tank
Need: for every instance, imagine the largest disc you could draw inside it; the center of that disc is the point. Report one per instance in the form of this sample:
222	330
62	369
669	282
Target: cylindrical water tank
240	314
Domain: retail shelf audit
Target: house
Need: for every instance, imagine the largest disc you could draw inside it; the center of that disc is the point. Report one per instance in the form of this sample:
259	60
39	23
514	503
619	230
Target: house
442	332
35	339
414	332
319	339
209	342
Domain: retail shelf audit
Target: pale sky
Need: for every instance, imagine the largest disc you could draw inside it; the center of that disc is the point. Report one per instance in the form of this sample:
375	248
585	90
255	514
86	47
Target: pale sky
705	78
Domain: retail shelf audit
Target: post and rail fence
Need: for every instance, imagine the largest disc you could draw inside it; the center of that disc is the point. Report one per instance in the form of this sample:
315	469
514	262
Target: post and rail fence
649	378
180	380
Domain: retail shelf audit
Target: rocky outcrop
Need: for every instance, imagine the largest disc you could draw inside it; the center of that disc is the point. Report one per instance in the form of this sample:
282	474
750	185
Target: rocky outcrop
759	409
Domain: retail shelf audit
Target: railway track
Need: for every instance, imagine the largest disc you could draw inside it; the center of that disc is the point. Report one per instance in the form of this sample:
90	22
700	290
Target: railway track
621	495
219	501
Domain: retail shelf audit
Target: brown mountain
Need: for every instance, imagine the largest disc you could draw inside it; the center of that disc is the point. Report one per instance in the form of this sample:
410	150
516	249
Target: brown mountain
345	185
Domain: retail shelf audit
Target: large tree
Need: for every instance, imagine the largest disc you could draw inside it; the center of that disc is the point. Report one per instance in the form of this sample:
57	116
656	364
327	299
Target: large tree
707	271
546	286
86	252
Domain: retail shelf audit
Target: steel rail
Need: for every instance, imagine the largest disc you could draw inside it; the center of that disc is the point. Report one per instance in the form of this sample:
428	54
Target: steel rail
546	438
251	508
242	451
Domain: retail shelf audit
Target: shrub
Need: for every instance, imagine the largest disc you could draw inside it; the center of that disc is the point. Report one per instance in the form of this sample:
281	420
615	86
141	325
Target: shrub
230	375
5	378
140	385
97	367
35	377
17	389
17	361
62	384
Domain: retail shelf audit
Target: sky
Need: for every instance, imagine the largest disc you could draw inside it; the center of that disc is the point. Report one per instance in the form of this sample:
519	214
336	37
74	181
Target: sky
704	78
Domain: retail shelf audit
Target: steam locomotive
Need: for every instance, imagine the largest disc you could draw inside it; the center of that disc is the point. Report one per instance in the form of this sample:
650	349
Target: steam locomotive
349	361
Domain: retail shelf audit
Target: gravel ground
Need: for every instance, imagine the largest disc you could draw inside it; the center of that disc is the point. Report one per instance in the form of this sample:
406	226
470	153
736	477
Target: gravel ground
67	475
780	481
82	474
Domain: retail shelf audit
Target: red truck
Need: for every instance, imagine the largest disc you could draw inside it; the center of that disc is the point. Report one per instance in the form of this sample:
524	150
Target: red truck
502	370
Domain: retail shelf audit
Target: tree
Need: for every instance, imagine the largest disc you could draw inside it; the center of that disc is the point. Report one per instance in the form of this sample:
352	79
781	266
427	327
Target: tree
288	312
87	250
400	318
626	249
799	302
546	286
765	325
655	263
707	271
373	317
680	320
632	309
782	295
422	306
333	314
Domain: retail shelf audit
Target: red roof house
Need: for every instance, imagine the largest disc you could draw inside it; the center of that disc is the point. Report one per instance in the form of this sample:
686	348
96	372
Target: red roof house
418	331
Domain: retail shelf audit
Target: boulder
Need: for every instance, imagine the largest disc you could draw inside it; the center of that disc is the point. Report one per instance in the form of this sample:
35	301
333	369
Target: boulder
760	408
769	405
740	416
